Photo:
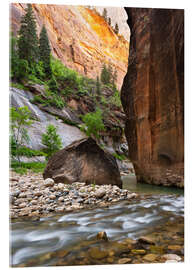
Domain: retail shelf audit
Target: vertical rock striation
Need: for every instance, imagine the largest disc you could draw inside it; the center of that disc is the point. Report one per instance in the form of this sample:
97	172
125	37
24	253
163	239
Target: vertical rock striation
79	37
153	95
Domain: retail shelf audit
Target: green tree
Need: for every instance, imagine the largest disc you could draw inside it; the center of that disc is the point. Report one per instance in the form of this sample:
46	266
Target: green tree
44	51
105	14
20	120
109	21
28	40
116	28
51	140
105	78
114	77
93	124
98	86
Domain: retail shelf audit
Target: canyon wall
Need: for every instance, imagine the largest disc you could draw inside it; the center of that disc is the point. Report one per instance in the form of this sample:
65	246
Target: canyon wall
153	95
79	37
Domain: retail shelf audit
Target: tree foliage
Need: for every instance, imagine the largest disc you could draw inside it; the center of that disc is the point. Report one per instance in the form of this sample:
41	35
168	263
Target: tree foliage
44	51
116	28
93	124
109	21
51	140
28	40
105	14
20	120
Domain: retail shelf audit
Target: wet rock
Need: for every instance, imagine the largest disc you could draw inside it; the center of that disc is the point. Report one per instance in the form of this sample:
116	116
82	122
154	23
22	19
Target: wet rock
171	257
83	161
49	182
171	261
96	253
61	253
146	240
110	259
102	236
150	257
124	261
138	251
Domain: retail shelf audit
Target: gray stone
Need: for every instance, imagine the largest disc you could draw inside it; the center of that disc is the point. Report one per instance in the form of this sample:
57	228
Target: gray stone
49	182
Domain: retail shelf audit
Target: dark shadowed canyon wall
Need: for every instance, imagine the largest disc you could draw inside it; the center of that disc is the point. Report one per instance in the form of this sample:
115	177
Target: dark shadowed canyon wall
153	95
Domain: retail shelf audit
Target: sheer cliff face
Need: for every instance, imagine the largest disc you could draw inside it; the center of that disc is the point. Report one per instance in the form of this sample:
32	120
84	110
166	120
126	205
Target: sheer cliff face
79	37
152	95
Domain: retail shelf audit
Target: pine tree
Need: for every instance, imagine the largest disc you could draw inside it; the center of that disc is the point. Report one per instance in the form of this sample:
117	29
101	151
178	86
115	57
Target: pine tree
105	14
28	40
98	86
114	77
105	75
116	28
44	51
109	21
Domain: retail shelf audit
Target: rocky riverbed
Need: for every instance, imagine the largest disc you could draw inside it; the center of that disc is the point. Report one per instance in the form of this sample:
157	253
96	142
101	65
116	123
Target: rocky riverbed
32	196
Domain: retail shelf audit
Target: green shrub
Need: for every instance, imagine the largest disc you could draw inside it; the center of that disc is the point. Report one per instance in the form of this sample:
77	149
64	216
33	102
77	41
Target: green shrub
93	124
20	119
115	99
51	141
120	157
103	101
21	167
25	151
53	85
18	85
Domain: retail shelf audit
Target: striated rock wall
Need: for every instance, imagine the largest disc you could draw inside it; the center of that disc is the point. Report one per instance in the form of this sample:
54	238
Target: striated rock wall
79	37
153	95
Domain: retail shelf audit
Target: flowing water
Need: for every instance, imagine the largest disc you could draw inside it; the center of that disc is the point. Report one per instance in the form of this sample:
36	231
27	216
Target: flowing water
67	239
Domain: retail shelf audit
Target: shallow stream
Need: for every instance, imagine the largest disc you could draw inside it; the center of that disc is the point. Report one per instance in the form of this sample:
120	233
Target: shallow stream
70	239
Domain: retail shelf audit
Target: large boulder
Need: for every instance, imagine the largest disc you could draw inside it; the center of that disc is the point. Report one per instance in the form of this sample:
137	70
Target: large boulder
83	161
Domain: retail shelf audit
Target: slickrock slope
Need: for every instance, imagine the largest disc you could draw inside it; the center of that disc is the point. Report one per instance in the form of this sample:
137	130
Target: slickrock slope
79	37
153	95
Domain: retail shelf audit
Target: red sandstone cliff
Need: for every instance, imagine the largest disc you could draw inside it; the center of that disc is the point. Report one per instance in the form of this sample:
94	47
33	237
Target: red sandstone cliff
153	95
79	37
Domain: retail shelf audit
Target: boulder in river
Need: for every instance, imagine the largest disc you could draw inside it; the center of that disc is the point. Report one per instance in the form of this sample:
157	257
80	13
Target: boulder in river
83	161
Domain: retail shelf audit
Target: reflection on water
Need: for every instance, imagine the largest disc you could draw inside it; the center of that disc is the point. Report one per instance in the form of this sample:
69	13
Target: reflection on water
130	183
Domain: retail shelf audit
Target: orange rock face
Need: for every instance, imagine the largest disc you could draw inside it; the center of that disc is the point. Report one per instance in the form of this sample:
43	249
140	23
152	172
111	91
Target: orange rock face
79	37
153	95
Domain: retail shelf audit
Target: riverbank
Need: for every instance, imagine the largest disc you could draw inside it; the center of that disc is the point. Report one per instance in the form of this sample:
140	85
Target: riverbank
32	196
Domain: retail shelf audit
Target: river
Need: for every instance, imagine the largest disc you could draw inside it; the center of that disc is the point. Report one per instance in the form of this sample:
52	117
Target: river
69	239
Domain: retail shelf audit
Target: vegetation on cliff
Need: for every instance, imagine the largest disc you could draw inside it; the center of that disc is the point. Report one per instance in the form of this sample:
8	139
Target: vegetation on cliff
96	103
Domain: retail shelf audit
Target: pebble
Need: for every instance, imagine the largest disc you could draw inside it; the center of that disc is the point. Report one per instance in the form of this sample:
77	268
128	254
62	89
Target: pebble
34	194
172	257
124	260
49	182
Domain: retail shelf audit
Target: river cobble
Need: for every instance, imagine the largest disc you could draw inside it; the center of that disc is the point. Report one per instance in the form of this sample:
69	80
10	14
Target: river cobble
31	195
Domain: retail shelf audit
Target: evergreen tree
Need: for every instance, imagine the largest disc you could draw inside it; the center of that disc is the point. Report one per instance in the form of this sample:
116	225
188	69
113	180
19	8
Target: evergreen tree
44	51
28	40
110	72
98	86
116	28
105	78
109	21
105	14
114	77
51	140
